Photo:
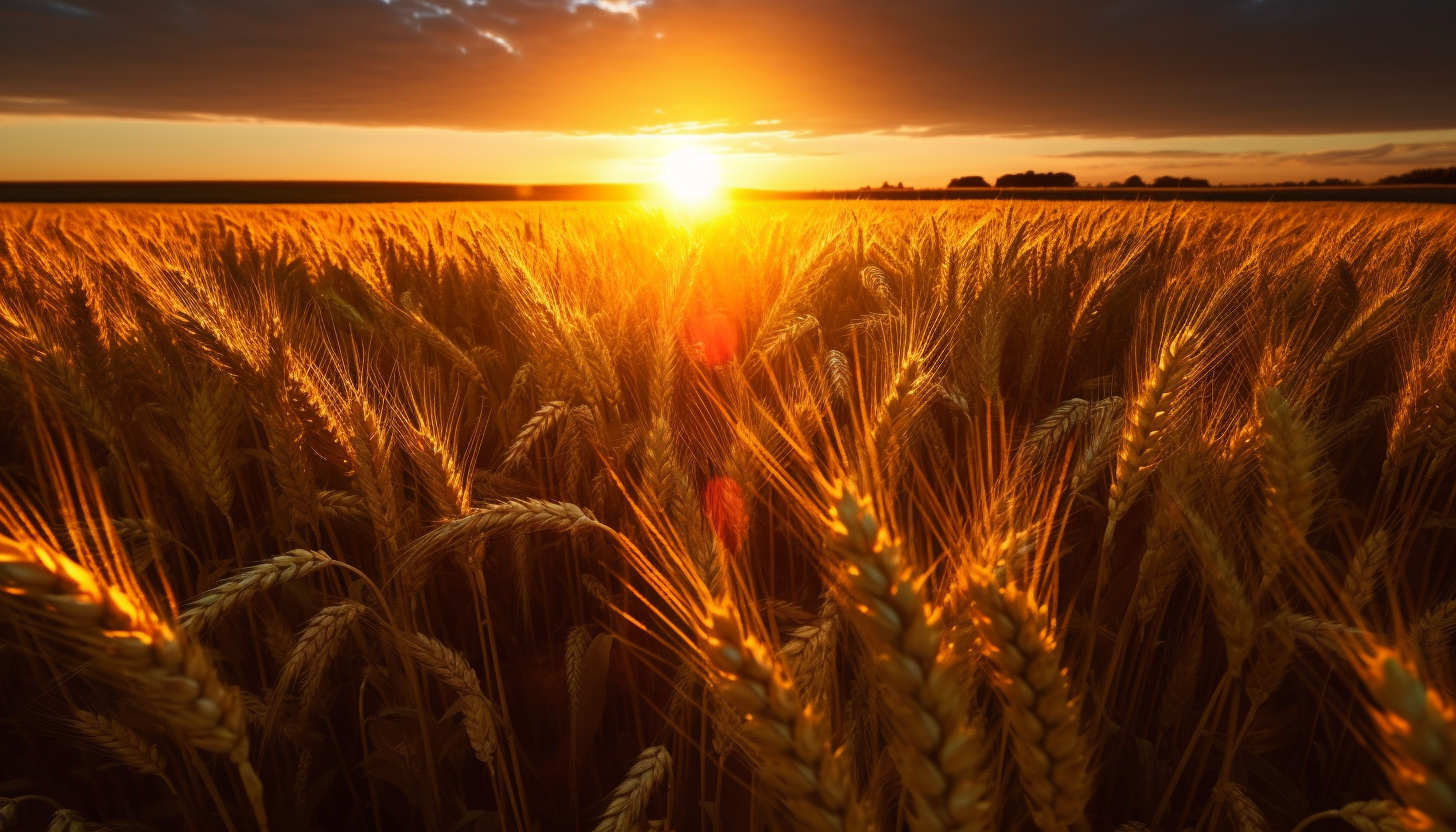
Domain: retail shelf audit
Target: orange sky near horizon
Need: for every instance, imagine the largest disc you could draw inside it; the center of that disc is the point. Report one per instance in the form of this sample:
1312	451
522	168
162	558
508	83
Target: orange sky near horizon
40	148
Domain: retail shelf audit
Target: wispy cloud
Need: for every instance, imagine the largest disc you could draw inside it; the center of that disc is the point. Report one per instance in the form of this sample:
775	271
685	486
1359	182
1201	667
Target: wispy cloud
1410	154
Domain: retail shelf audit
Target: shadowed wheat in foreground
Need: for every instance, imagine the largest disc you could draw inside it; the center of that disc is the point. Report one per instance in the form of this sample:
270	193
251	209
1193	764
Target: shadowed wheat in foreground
968	517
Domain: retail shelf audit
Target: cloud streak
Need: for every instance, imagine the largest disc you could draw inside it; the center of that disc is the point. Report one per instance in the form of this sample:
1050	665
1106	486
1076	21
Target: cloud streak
1116	68
1408	154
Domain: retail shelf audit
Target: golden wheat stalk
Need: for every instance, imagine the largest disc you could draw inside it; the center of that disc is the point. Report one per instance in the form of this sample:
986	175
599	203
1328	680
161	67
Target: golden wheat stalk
939	752
629	800
1232	610
168	673
1142	435
1368	816
1417	728
1048	436
1050	751
1366	566
789	739
314	650
126	745
902	398
1287	461
242	586
507	517
452	668
809	653
537	426
836	366
1241	808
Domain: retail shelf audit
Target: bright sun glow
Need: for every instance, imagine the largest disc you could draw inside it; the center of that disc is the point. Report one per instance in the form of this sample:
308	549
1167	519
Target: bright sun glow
691	174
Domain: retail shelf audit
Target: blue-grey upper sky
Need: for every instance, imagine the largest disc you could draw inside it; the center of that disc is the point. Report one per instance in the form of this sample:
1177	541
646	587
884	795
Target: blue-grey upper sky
1113	68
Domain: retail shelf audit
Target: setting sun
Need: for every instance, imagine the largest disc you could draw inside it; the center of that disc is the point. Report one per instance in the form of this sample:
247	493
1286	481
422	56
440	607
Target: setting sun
691	174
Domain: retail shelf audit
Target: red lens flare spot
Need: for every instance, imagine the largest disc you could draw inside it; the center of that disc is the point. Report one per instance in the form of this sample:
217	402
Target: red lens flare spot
723	503
718	335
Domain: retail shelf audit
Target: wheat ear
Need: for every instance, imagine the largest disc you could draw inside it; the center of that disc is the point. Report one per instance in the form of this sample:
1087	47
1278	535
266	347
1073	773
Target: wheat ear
939	752
789	740
242	586
1287	462
1365	568
1047	436
1368	816
507	517
809	653
315	649
900	399
1142	433
1241	808
536	427
170	673
121	742
1418	729
1050	750
452	668
629	799
837	368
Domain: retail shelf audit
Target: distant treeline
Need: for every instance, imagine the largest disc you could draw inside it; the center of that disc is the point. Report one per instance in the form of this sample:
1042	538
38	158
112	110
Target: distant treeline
1033	179
1423	176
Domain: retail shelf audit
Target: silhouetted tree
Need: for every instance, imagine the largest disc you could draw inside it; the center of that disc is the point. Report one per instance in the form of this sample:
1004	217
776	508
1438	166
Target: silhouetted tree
1134	181
1032	179
1179	182
1423	176
968	182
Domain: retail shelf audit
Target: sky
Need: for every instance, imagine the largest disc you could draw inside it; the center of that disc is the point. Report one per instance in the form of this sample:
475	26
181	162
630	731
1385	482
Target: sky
785	93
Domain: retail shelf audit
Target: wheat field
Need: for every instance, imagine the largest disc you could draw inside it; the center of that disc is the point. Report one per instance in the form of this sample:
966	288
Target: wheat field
825	517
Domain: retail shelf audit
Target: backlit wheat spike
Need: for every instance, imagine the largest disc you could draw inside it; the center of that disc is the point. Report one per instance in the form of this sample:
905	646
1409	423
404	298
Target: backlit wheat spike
1105	420
1232	610
314	650
342	505
450	667
1161	564
629	800
537	426
241	587
809	653
1418	731
492	519
1369	816
837	366
1048	436
789	741
1051	753
210	437
1430	635
940	753
1287	461
1366	566
1142	434
901	398
576	644
120	741
1241	808
1372	322
171	675
1273	651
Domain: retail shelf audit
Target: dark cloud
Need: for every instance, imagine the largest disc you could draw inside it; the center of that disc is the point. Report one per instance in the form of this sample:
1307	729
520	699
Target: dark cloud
1112	68
1408	154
